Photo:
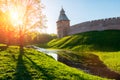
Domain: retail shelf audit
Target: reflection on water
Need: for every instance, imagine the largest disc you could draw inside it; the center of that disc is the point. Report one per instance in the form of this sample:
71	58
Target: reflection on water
53	55
78	64
48	51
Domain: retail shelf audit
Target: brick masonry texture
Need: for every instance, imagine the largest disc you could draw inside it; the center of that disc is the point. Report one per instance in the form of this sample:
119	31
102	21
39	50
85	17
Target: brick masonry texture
96	25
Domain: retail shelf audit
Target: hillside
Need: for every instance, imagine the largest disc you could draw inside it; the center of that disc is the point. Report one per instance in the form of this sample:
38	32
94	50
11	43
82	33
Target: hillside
97	51
34	65
107	40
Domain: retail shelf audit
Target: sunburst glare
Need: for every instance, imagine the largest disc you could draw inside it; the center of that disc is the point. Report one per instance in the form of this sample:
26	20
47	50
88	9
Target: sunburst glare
15	19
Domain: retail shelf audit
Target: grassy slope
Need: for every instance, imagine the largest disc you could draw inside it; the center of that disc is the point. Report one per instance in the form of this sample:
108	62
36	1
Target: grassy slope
90	41
34	65
111	59
102	43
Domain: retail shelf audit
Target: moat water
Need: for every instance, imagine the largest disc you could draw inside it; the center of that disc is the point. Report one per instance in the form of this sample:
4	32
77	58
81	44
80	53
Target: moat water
54	53
51	52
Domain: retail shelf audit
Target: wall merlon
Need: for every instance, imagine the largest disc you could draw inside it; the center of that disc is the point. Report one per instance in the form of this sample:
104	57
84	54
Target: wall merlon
64	28
99	21
96	25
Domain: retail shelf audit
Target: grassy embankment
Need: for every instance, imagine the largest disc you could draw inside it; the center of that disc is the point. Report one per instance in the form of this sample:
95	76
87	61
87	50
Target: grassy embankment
90	41
111	59
105	44
34	65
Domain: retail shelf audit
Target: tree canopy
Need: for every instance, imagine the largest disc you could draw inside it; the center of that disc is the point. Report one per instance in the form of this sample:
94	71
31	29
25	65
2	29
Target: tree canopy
20	17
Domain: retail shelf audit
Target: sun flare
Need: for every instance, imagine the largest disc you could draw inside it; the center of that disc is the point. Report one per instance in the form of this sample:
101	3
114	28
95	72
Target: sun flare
14	15
15	18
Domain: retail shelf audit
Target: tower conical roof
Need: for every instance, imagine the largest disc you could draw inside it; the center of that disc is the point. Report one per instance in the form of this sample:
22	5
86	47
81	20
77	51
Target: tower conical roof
62	15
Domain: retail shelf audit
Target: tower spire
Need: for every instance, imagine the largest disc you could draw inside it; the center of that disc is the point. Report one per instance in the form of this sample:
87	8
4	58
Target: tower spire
62	15
63	24
61	6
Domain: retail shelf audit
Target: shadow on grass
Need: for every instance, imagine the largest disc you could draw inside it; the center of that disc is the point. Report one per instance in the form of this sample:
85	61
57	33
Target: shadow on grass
2	48
23	74
46	75
90	63
107	40
21	71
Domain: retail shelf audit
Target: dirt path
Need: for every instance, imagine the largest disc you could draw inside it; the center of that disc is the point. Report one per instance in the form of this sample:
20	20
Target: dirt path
93	66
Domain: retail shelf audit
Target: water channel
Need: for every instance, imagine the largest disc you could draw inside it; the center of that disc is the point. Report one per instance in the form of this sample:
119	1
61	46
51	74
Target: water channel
54	54
50	52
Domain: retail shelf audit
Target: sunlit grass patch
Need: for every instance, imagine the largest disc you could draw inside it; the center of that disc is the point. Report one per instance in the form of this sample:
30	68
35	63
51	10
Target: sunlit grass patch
34	65
111	59
105	44
107	40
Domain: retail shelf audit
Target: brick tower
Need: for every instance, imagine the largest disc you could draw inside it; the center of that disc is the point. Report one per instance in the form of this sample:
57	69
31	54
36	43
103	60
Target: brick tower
63	24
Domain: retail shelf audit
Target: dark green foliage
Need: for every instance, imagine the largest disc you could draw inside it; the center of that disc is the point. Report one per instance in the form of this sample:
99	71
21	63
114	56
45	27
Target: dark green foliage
39	39
107	40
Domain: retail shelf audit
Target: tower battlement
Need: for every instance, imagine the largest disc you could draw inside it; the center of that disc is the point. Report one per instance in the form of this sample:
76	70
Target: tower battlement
94	25
106	21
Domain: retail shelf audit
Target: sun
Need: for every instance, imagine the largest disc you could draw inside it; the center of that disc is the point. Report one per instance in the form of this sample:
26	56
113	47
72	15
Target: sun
14	15
15	19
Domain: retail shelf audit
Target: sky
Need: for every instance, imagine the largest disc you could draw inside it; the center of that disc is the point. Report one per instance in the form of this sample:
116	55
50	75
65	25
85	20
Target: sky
79	11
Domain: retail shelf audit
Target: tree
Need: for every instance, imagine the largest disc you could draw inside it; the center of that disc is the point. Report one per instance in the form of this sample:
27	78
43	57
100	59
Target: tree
5	28
25	16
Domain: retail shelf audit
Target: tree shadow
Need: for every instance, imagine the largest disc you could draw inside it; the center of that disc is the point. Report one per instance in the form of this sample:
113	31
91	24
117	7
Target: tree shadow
21	49
44	71
21	70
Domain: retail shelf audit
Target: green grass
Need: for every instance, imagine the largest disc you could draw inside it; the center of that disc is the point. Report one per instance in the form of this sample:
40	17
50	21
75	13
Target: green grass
105	44
75	56
34	65
111	59
43	45
89	41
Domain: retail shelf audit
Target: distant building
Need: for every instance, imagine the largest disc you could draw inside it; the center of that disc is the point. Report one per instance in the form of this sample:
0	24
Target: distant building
64	28
63	24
